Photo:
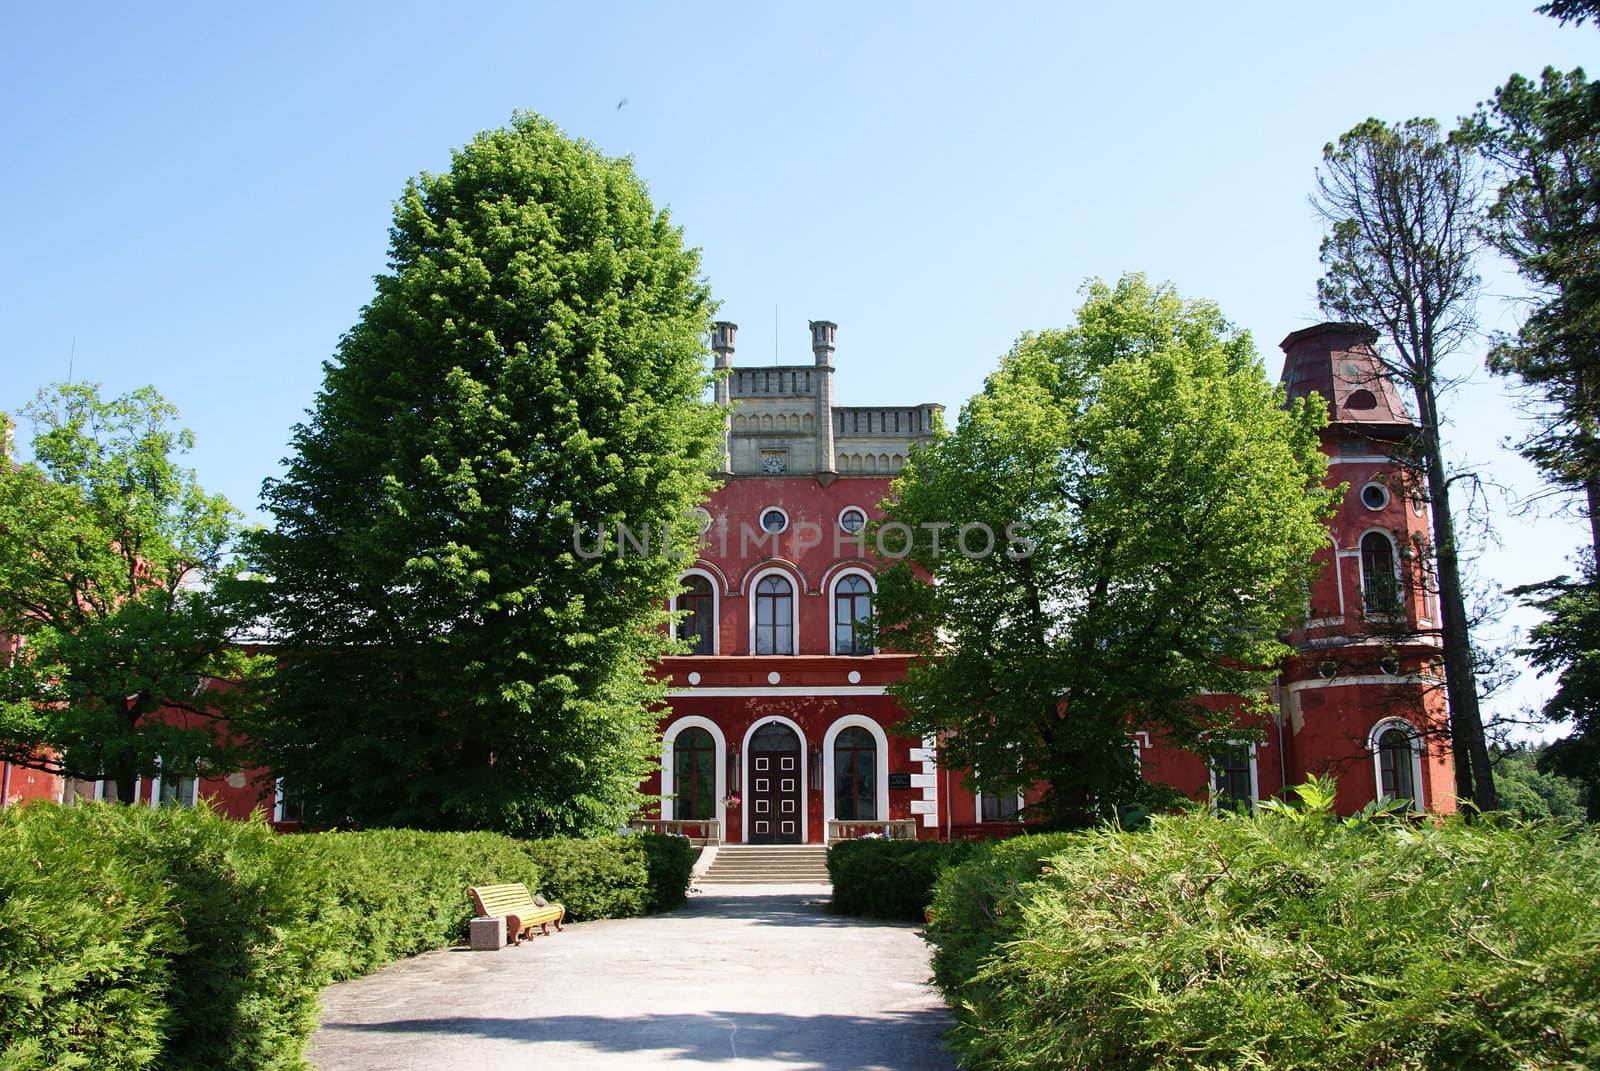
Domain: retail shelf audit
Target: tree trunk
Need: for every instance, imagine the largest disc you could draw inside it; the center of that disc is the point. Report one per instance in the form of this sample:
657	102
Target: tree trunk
1474	778
1591	492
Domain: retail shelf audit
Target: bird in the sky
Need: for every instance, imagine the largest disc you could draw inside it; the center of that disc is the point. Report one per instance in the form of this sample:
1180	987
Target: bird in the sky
621	102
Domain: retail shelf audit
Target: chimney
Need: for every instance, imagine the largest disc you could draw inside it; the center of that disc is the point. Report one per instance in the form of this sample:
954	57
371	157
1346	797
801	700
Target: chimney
822	332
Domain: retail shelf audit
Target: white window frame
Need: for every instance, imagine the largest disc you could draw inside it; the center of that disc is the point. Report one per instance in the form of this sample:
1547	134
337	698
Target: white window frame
277	802
716	607
1361	572
795	590
1212	769
977	808
669	767
833	606
155	789
880	766
1418	804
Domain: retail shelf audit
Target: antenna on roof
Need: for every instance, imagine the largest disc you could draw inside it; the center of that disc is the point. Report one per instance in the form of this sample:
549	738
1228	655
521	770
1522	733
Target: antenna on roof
774	332
71	355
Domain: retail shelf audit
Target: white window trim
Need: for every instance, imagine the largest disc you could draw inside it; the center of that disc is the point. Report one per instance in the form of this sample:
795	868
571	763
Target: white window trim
795	589
805	775
880	770
277	800
833	604
1419	804
669	767
155	789
1361	567
1255	777
761	515
716	605
977	808
1361	496
866	519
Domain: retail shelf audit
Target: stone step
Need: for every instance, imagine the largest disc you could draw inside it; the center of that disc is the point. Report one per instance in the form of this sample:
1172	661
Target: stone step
768	864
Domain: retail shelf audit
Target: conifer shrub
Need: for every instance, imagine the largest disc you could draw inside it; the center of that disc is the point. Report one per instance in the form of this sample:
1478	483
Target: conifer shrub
180	939
974	905
1291	940
139	938
891	879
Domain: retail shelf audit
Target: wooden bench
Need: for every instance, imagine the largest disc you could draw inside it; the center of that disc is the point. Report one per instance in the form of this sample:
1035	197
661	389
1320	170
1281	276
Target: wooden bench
522	911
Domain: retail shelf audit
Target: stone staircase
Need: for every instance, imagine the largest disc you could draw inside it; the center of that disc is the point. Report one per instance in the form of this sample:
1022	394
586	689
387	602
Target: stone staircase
763	864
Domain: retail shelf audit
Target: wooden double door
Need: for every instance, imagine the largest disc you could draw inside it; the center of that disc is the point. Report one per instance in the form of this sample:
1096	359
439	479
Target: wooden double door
775	792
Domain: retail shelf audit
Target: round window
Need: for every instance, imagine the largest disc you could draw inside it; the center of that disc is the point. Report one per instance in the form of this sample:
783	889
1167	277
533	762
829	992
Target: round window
702	519
1374	496
852	520
1327	670
1390	666
774	520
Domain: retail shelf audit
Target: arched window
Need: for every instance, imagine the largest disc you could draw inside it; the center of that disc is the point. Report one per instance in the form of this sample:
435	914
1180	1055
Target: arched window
852	610
1396	766
855	764
774	616
699	621
694	780
1380	586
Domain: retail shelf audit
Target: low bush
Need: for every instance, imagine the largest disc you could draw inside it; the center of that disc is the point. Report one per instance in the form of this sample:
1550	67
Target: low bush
890	879
176	938
138	938
1293	940
974	905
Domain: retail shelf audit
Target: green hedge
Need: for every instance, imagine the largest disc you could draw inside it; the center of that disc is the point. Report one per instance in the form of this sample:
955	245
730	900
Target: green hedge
974	905
178	939
891	879
1293	940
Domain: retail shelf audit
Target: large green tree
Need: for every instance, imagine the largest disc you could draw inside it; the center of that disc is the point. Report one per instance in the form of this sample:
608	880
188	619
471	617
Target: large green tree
114	573
1155	505
1543	142
532	361
1401	204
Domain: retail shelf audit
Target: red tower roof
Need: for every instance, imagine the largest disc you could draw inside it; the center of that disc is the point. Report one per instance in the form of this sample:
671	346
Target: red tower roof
1337	360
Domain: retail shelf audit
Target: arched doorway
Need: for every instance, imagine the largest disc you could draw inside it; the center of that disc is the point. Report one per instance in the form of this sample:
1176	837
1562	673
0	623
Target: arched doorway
774	787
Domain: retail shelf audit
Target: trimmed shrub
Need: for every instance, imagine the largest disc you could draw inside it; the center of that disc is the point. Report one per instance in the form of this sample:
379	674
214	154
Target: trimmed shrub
1291	940
176	938
145	938
670	862
974	905
890	879
379	895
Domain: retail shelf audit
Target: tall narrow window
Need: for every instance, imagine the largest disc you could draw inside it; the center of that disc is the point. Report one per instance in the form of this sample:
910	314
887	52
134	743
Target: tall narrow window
699	620
855	766
1395	762
1230	781
1380	586
774	616
694	775
852	609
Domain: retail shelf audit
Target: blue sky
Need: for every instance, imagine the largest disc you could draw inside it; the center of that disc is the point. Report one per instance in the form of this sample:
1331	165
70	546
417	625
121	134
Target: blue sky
199	195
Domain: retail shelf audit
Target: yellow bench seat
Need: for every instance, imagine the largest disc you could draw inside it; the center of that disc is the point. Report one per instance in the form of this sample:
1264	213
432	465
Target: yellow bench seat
522	912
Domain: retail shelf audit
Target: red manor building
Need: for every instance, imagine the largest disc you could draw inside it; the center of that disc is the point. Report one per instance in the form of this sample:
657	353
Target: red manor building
779	729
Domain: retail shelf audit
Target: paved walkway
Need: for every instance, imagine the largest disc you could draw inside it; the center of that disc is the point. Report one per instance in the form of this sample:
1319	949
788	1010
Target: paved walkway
741	978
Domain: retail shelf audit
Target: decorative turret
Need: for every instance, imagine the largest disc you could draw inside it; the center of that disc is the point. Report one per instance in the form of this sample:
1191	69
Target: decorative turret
1337	360
822	335
722	336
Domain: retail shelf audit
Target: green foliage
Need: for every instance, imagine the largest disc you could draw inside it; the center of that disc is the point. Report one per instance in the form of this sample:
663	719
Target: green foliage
1567	643
670	863
534	360
176	938
974	905
890	879
1170	502
139	938
1543	141
1530	789
1293	939
115	570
